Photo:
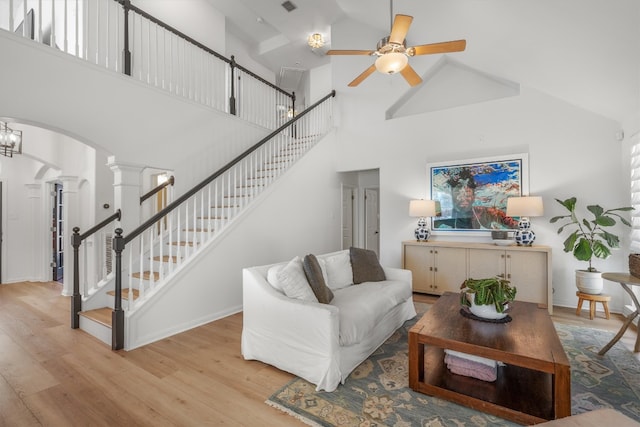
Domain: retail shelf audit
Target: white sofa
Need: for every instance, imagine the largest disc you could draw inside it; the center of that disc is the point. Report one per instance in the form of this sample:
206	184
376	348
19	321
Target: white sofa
322	343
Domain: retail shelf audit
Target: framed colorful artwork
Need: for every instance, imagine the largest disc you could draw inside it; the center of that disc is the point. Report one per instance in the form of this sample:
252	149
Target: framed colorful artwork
473	193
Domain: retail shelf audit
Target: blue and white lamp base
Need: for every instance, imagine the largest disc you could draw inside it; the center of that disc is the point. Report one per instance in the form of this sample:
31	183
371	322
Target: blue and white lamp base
525	235
422	233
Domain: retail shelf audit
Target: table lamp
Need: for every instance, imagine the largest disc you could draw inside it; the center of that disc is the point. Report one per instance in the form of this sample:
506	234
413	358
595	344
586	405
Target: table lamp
525	207
422	209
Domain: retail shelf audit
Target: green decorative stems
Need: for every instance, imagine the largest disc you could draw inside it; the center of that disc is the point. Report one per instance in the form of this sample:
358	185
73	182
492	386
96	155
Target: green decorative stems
493	290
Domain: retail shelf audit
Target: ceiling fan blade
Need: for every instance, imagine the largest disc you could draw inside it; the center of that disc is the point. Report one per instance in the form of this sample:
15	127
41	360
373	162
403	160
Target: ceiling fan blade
366	73
400	28
410	75
443	47
350	52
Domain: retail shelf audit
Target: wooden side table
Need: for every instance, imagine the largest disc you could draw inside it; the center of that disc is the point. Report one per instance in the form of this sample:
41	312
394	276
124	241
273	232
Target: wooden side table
625	280
602	298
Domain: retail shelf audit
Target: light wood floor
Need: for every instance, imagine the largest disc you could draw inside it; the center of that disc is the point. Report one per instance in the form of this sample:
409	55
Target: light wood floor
56	376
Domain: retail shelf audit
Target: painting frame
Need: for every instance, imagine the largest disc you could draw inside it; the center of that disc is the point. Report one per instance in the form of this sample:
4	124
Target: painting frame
472	193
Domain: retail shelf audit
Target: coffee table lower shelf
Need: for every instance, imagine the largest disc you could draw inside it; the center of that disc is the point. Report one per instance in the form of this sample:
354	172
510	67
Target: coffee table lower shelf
519	394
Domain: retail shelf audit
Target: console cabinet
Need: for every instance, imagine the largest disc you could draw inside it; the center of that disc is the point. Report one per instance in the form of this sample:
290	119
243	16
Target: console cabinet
438	267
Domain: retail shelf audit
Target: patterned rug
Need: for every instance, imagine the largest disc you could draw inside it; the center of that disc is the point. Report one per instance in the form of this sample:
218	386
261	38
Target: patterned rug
377	393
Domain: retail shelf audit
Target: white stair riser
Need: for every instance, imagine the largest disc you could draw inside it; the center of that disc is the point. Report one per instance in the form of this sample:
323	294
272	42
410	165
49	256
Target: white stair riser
98	330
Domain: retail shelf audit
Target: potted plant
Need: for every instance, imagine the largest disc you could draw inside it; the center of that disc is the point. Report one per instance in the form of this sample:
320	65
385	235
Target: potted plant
487	298
589	239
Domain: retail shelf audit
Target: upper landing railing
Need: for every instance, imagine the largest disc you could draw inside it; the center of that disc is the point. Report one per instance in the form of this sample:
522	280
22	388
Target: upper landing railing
121	37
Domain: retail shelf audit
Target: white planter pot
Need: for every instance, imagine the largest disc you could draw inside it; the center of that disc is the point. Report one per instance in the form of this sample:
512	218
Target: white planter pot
589	282
487	311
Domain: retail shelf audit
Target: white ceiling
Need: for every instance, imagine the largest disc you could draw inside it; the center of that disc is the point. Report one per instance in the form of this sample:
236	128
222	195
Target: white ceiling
586	52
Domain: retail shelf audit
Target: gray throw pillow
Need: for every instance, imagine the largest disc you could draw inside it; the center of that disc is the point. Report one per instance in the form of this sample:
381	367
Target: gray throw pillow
314	276
365	266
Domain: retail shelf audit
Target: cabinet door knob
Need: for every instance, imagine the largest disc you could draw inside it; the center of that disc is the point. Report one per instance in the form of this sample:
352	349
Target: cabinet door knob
435	268
501	275
430	268
509	276
502	256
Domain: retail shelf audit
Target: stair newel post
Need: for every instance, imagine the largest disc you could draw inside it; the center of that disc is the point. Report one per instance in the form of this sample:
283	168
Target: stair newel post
117	317
293	109
76	299
232	98
126	4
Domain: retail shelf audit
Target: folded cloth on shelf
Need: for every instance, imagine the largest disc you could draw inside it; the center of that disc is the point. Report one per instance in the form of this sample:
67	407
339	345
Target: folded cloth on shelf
471	366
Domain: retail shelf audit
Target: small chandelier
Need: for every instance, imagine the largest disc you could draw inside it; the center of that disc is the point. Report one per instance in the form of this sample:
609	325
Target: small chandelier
315	40
10	140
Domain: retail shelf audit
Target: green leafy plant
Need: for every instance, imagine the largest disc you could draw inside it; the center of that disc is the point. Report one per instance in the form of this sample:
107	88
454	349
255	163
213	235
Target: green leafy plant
493	290
589	239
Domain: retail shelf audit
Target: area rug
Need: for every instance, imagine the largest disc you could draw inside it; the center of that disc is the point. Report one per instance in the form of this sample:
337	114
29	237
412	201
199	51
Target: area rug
377	393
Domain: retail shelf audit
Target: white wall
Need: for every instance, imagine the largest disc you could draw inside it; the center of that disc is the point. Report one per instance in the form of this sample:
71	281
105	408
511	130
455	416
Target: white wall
195	18
572	152
27	179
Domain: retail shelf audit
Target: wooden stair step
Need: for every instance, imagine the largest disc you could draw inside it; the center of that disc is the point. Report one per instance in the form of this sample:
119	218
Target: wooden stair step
100	315
250	186
125	293
147	275
183	243
166	258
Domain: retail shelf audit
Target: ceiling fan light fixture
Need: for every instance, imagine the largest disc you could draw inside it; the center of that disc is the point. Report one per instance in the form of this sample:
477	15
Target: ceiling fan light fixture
315	40
391	63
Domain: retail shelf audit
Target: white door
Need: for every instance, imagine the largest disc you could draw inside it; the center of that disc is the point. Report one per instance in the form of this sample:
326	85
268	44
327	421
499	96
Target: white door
371	220
348	202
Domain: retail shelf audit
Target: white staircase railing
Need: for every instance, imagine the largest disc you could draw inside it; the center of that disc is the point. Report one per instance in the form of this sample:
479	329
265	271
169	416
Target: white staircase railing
168	241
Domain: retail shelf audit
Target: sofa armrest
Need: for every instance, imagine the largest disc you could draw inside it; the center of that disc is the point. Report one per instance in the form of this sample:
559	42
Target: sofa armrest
398	274
286	322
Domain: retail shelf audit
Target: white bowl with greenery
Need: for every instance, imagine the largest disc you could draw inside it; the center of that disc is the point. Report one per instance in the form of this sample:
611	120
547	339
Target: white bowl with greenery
487	298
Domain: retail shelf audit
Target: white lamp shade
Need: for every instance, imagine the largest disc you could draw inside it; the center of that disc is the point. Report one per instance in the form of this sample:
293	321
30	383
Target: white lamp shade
422	208
526	206
391	62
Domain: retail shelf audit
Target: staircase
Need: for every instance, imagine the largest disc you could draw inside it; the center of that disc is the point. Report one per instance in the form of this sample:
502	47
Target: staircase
163	248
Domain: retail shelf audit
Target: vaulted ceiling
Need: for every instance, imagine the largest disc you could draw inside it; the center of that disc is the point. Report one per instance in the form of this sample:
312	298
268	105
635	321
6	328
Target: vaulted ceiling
586	52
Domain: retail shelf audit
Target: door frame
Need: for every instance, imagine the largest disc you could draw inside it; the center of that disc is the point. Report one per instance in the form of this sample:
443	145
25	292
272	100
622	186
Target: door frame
55	221
365	210
354	214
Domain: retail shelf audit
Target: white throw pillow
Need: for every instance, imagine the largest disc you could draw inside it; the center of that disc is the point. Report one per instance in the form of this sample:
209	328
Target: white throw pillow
339	272
293	282
272	276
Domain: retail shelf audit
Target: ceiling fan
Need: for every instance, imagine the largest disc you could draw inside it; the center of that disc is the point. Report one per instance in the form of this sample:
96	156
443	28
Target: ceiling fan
393	54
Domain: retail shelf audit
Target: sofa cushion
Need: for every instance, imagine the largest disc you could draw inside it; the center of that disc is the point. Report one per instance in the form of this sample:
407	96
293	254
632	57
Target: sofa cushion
362	307
291	280
365	266
313	272
338	266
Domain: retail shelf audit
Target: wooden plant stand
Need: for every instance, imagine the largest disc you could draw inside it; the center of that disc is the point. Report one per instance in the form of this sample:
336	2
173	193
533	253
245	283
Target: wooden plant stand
601	298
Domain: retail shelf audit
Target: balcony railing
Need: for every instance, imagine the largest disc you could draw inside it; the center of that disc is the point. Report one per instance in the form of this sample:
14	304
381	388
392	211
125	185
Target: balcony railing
119	36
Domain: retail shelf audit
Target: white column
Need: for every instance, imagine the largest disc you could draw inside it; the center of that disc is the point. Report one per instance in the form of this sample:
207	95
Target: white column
126	188
70	219
41	250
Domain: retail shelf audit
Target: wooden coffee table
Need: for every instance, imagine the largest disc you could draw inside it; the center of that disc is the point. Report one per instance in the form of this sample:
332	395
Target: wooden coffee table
534	385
